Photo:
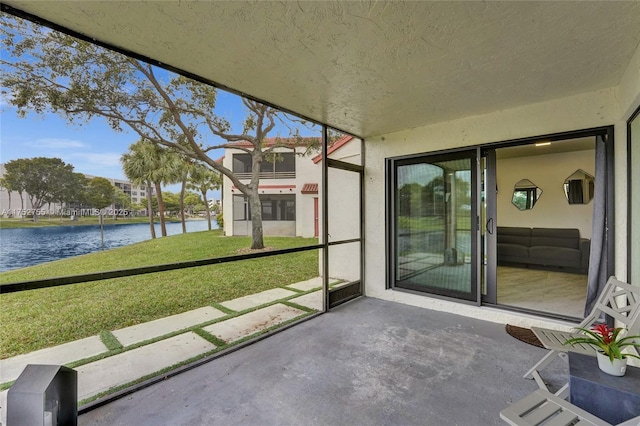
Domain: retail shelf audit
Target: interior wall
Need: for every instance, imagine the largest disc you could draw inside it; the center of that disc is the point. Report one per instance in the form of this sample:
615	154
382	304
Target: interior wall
548	172
587	110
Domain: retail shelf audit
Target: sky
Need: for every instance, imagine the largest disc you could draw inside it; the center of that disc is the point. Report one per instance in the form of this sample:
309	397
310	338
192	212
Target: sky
92	148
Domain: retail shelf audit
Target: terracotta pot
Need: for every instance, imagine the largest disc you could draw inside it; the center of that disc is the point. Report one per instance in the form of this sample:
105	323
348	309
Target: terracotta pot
617	367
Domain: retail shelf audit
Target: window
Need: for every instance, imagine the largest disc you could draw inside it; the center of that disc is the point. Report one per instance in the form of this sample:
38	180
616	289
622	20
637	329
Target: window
276	207
281	166
241	163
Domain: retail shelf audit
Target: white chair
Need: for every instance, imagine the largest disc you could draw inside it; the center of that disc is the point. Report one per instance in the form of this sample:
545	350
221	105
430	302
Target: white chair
619	300
544	408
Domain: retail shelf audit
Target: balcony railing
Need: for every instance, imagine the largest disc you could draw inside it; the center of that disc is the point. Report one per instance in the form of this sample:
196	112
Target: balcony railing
268	175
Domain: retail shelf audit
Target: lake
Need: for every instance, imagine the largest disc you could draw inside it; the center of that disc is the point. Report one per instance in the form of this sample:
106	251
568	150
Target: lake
21	247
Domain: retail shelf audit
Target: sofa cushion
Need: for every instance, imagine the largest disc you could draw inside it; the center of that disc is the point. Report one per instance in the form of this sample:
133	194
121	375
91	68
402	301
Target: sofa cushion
514	235
512	250
548	255
550	237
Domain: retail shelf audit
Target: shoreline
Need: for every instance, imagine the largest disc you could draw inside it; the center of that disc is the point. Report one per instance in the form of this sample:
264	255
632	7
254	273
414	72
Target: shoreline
11	223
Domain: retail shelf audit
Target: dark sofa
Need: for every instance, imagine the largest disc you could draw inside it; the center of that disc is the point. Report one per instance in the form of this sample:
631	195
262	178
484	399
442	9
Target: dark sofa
553	247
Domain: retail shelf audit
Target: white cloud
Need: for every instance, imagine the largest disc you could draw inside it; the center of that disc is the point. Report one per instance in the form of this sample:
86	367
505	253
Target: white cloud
96	164
102	160
57	143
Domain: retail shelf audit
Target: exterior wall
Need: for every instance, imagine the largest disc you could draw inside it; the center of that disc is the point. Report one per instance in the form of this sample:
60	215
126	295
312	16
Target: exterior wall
349	153
548	172
283	228
629	100
306	172
8	204
594	109
305	220
137	193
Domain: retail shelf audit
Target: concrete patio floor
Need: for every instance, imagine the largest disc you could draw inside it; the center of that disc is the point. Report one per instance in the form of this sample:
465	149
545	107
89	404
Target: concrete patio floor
368	362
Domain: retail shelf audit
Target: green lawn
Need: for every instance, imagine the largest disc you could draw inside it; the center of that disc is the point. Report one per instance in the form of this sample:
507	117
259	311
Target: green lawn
432	223
36	319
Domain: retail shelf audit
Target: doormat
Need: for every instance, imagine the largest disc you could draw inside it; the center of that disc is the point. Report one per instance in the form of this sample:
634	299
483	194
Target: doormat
523	334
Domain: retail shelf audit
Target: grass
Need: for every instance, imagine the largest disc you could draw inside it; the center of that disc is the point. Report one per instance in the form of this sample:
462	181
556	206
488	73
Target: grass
37	319
432	223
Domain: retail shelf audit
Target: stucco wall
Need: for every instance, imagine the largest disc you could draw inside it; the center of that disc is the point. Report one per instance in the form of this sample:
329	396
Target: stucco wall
594	109
548	172
306	172
629	88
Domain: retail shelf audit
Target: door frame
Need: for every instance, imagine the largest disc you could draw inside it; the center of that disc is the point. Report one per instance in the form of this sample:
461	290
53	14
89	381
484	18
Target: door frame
607	133
390	199
391	165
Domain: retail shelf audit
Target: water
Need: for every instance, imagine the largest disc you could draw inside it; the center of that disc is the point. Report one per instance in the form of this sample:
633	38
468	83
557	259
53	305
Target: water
21	247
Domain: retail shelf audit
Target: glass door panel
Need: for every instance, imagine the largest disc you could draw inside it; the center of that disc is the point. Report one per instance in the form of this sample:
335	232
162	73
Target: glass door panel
434	225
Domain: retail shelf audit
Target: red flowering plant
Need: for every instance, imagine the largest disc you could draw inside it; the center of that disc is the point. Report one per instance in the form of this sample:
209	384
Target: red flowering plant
607	340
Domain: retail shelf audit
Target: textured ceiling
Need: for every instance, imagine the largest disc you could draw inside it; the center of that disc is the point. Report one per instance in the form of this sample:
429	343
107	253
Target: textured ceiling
373	67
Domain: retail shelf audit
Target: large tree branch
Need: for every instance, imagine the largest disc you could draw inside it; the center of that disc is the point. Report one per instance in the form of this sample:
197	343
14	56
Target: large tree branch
147	71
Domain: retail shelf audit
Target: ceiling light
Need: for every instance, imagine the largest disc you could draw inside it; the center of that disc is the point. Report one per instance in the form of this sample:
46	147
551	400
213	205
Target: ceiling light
543	144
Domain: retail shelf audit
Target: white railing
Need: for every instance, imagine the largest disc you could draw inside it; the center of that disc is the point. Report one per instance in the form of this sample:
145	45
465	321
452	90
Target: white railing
269	175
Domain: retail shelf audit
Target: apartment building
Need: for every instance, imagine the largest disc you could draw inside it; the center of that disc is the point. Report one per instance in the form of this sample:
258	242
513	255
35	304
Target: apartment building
288	188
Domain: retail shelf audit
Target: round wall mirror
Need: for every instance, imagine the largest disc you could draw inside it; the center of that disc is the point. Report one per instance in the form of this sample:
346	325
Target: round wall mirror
525	194
578	188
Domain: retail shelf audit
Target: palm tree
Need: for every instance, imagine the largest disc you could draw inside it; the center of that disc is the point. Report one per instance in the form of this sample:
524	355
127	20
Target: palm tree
184	172
148	164
136	166
204	179
167	169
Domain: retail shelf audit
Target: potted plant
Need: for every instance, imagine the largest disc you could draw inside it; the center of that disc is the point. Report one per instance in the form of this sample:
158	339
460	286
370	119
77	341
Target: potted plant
608	342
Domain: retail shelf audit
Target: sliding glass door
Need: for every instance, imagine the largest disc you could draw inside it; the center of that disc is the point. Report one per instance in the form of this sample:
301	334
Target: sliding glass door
433	225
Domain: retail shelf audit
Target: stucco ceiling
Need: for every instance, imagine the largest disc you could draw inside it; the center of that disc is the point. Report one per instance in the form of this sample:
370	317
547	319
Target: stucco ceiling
373	67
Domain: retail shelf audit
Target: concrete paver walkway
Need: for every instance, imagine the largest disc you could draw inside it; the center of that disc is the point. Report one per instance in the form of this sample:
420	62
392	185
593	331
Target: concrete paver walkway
253	322
252	300
122	368
11	368
152	329
117	370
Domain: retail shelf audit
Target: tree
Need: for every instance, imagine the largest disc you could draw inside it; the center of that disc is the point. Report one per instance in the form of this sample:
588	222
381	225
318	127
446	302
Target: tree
73	190
136	164
182	176
171	202
121	201
14	179
147	163
5	185
100	193
192	203
43	179
204	179
46	71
